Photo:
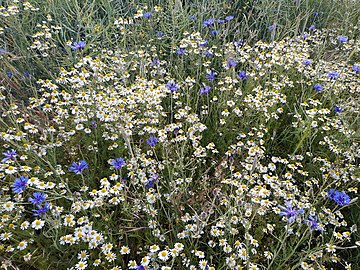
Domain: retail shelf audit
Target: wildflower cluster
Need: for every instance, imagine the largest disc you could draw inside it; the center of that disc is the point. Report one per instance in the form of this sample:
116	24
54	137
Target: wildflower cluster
132	161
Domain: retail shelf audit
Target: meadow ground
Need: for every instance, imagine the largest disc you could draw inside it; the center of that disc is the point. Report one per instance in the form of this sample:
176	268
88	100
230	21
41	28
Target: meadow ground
179	134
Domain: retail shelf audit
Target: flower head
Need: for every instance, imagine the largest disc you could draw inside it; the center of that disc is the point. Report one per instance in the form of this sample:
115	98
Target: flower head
356	68
289	212
19	184
312	27
313	224
337	109
209	22
339	197
38	198
231	63
147	15
152	141
229	18
205	90
318	87
307	62
78	45
79	167
172	86
333	74
9	155
41	209
342	39
180	51
210	75
242	76
117	163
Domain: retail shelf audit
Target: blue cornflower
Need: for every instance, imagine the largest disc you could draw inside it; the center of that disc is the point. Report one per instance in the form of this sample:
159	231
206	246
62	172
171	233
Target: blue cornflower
229	18
203	44
159	34
210	75
152	181
289	212
41	209
305	36
207	53
152	141
9	74
242	75
342	39
356	68
313	224
117	163
78	45
93	124
315	14
147	15
205	90
337	109
271	27
333	74
339	197
180	51
209	22
307	62
38	198
238	43
79	167
312	27
172	86
140	267
318	87
221	21
231	63
9	155
26	74
19	184
214	32
193	17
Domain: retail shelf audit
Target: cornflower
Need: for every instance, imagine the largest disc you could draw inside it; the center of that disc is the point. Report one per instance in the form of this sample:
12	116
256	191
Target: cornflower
41	209
20	184
333	74
117	163
210	75
172	86
356	68
289	212
242	75
147	15
307	62
339	197
337	109
78	45
312	27
152	141
318	87
209	22
205	90
79	167
181	51
231	63
38	198
9	155
313	224
342	39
